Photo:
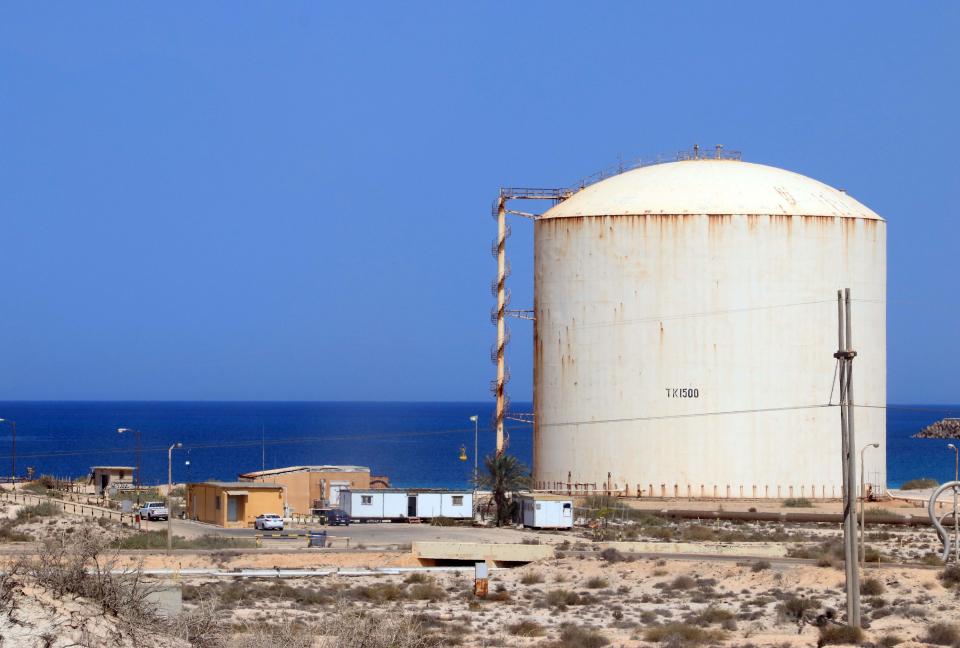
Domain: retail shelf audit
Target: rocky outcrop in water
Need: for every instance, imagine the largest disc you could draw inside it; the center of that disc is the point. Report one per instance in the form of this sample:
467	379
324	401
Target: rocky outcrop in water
948	428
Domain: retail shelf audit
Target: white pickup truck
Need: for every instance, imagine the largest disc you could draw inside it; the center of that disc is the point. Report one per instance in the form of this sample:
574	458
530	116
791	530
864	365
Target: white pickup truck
154	511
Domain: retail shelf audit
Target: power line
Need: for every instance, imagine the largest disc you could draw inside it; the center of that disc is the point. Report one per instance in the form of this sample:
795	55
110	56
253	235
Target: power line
257	443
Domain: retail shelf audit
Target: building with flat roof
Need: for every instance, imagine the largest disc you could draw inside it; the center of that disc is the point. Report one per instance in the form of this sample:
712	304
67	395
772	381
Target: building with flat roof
309	488
233	504
111	478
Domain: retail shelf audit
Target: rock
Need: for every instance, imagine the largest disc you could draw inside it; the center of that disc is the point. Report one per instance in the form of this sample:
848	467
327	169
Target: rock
948	428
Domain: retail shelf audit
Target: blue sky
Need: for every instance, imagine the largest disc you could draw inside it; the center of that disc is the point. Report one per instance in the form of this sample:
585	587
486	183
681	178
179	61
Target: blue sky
290	200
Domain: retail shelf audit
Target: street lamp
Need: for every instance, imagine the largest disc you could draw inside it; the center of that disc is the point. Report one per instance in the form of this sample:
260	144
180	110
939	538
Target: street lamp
177	445
136	434
956	523
863	507
13	450
475	418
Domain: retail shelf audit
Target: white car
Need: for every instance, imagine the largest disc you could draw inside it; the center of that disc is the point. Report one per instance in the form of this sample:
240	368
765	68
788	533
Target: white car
268	522
154	511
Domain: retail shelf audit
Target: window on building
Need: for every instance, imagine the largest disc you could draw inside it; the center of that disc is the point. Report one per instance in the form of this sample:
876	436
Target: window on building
366	499
458	500
217	500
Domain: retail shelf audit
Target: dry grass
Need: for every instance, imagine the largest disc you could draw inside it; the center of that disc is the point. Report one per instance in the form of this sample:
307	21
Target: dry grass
840	635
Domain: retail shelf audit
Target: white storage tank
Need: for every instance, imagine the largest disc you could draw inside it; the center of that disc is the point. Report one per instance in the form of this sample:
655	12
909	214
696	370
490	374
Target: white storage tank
685	327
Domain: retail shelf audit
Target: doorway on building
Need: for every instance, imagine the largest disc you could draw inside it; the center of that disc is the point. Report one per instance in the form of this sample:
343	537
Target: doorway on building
411	506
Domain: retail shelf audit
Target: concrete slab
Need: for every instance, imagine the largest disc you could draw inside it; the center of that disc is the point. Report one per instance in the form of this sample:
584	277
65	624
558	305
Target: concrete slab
714	548
430	552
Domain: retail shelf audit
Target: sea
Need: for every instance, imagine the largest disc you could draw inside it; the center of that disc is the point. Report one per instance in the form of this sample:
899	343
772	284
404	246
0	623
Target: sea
414	444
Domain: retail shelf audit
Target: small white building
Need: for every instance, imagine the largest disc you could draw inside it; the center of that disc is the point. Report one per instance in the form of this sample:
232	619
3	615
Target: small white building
545	511
107	480
400	504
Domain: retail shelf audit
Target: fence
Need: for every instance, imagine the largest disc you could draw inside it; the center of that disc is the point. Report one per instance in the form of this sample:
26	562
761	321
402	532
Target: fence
66	506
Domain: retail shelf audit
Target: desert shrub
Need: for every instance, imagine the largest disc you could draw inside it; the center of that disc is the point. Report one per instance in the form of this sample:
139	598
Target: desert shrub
698	533
682	583
158	540
760	565
9	534
442	521
427	592
919	484
562	598
797	502
950	577
354	628
416	577
872	587
943	634
526	628
839	635
76	565
597	583
712	615
43	509
573	636
612	555
531	578
890	640
684	634
794	606
381	592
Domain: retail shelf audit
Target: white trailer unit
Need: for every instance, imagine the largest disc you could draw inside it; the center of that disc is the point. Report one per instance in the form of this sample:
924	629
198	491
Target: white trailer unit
546	511
402	504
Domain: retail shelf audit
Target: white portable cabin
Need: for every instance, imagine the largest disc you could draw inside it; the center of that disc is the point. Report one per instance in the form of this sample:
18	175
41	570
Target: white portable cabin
403	504
546	511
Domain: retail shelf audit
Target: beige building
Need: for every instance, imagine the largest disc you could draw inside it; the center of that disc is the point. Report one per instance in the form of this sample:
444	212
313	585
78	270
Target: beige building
111	478
233	504
316	487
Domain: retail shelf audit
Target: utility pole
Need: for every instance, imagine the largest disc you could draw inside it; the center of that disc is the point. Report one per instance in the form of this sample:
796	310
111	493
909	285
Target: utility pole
169	494
845	355
501	319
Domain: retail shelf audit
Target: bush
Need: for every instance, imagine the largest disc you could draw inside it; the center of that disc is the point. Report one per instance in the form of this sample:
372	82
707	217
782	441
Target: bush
562	598
919	484
840	635
795	606
950	577
597	583
526	628
682	583
713	615
797	502
381	592
572	636
158	540
682	634
612	555
872	587
760	565
889	641
531	578
9	534
427	592
43	509
355	628
442	521
942	634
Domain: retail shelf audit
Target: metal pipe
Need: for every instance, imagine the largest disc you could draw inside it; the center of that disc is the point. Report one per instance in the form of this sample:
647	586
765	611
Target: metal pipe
169	490
863	506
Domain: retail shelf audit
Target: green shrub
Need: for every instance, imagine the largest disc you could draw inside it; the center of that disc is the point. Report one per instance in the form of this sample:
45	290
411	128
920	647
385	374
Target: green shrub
798	502
942	634
919	484
872	587
840	635
43	509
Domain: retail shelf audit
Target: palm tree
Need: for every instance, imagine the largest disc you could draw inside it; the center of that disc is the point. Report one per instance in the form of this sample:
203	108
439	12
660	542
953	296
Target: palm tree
505	476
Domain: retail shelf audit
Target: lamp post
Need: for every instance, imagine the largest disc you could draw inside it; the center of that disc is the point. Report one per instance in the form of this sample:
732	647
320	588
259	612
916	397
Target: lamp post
13	450
136	434
956	522
169	498
863	507
475	418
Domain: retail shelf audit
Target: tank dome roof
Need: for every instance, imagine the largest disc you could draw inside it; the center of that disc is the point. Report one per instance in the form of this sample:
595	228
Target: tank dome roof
708	186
